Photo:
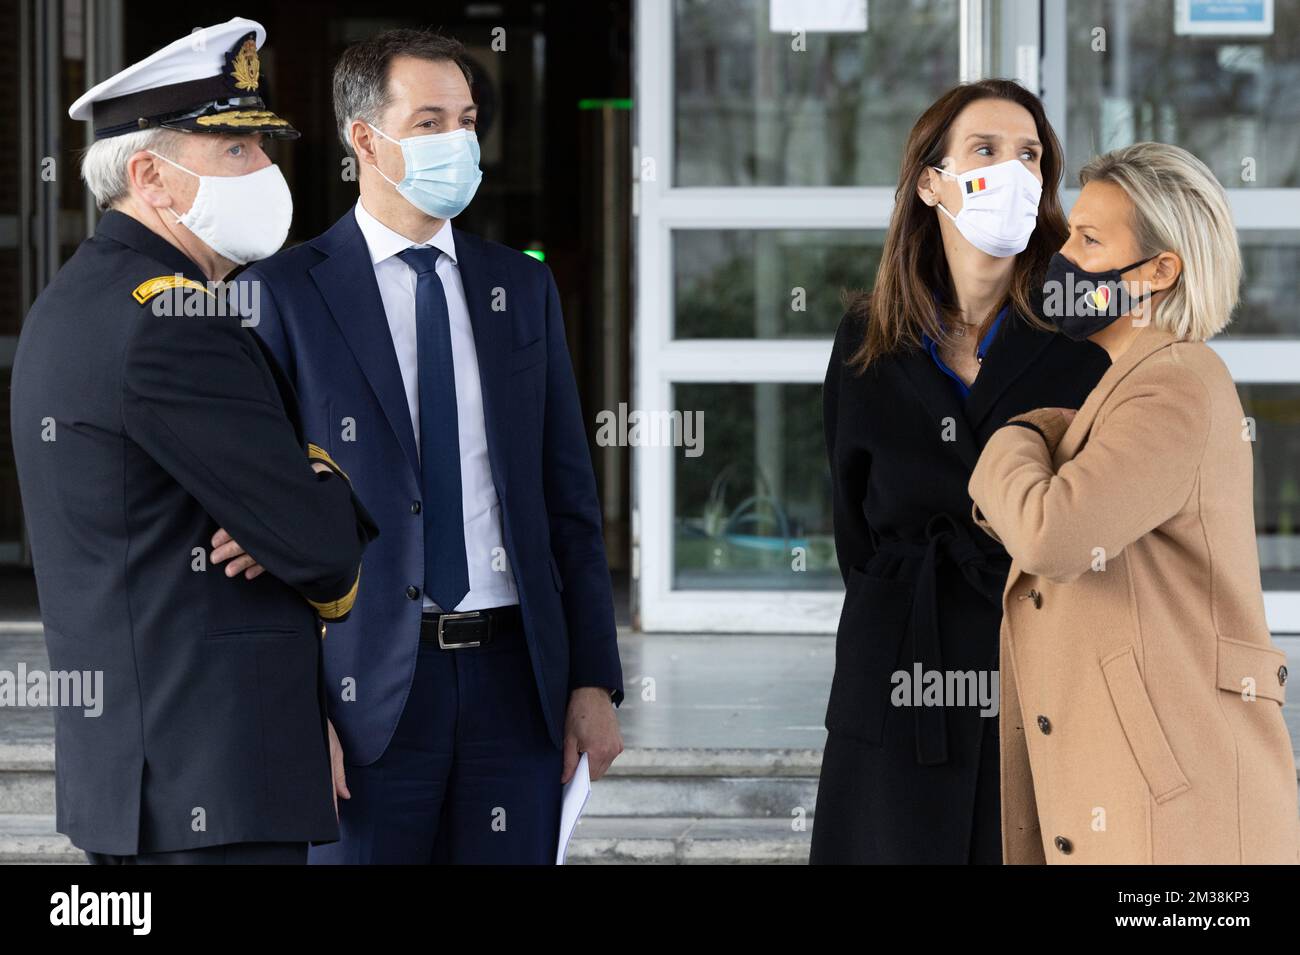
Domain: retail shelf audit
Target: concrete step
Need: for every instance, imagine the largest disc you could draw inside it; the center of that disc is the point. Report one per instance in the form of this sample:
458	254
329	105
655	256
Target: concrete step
717	761
723	783
26	778
655	806
677	841
745	797
30	839
708	783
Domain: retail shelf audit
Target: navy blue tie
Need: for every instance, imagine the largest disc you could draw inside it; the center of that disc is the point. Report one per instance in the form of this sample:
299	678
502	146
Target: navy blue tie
446	572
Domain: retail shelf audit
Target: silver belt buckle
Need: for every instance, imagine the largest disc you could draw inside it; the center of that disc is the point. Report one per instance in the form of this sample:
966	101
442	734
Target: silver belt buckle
456	616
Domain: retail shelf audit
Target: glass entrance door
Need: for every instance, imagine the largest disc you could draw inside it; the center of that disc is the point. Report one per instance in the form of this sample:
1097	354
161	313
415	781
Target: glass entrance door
43	210
765	171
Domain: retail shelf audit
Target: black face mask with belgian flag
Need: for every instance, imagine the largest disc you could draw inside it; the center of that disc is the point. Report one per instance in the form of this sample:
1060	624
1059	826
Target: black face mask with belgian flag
1081	303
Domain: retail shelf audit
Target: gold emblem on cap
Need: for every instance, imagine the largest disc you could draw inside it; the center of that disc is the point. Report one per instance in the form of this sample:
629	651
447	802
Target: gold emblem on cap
245	67
242	117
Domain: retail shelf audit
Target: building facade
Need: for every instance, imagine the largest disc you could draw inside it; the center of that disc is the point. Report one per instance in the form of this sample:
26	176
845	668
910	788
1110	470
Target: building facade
705	177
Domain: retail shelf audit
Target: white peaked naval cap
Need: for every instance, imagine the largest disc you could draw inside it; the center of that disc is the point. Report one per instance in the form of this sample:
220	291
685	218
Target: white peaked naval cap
206	81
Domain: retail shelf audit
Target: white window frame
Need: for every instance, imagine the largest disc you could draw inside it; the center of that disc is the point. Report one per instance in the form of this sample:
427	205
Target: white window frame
660	361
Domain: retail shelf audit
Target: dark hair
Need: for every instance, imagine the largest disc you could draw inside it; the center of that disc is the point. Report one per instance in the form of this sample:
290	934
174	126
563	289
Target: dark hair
912	264
361	74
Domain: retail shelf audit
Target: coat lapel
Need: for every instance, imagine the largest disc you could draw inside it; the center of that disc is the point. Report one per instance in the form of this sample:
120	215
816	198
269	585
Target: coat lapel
1013	352
346	279
485	284
1149	340
939	397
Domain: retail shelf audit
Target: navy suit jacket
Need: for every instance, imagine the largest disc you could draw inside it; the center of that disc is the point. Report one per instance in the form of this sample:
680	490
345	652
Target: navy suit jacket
322	317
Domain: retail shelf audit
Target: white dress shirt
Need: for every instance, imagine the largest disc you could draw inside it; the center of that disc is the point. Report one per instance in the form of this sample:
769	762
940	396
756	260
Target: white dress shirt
484	544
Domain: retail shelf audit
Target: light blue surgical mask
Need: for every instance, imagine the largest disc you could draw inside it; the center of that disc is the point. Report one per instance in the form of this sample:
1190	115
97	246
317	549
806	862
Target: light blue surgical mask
442	172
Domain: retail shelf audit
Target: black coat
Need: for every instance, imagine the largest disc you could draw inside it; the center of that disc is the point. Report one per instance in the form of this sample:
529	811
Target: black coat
136	436
923	587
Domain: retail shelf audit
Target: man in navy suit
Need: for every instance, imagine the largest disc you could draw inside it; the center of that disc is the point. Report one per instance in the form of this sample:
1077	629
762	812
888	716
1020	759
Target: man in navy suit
480	657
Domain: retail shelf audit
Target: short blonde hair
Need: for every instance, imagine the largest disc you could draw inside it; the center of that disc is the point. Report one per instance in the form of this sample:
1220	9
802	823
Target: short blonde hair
1179	207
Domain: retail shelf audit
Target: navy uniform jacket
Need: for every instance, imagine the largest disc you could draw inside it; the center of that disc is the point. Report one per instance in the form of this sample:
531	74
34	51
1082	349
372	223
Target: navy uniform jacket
324	320
136	436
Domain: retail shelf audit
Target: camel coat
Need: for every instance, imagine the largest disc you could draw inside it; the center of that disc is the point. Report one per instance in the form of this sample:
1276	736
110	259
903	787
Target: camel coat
1141	695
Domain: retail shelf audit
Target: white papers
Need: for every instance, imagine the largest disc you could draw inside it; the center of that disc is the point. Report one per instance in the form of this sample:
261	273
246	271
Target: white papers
576	793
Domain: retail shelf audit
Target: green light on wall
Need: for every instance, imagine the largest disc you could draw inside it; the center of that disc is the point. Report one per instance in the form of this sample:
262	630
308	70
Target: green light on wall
603	103
538	254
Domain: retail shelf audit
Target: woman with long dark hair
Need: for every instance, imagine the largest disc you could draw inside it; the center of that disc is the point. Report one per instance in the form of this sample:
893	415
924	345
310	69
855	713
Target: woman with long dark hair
946	346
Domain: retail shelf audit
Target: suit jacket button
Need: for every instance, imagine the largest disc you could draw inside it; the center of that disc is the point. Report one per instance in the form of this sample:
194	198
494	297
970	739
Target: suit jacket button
1045	725
1064	845
415	507
1281	676
413	592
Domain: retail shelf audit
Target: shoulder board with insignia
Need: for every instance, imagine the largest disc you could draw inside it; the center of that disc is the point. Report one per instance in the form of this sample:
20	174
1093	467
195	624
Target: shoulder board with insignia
148	289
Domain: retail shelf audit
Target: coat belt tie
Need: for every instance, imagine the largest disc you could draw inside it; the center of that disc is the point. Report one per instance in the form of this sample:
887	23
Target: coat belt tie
985	567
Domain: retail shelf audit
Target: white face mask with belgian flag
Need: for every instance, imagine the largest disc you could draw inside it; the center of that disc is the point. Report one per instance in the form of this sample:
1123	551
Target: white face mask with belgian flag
999	206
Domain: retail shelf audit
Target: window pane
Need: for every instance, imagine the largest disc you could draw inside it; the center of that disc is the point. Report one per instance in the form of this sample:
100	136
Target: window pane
1270	287
1231	100
761	488
768	283
753	111
753	511
1276	410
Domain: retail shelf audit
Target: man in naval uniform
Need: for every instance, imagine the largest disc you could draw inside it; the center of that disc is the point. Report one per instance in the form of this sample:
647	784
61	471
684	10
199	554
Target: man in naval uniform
163	469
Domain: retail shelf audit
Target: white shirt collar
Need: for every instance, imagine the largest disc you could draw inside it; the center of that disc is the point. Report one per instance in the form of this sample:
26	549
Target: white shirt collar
384	243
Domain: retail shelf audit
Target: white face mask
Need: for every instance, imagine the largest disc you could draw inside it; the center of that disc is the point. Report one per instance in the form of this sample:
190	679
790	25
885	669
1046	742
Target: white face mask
241	218
999	206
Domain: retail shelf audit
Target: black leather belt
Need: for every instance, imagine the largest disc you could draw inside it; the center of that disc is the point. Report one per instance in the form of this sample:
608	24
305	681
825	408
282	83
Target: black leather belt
472	628
985	565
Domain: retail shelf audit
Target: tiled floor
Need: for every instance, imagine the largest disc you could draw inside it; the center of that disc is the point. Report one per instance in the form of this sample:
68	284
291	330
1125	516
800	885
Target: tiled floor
682	691
701	691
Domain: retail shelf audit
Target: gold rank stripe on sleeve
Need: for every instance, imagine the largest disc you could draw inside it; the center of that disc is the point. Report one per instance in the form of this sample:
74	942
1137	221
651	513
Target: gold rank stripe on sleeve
151	287
316	453
334	609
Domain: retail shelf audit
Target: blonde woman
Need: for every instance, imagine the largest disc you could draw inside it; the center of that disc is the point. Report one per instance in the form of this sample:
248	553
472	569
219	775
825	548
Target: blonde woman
1141	696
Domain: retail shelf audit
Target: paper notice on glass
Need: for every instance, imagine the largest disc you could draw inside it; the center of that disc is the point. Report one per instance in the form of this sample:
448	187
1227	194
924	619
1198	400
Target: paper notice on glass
576	793
1223	17
817	16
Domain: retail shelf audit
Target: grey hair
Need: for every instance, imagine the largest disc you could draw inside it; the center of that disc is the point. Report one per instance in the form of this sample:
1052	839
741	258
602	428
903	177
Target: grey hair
103	164
361	74
1180	207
